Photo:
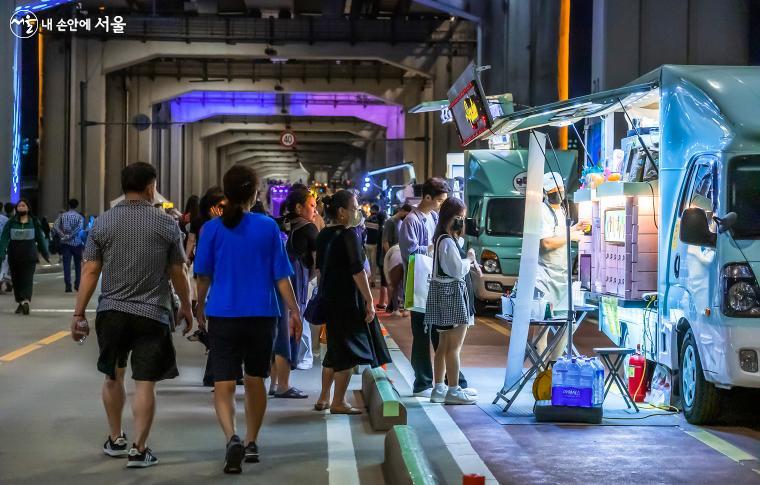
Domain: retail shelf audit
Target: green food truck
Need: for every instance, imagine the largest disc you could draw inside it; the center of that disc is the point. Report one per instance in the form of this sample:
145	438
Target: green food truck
494	192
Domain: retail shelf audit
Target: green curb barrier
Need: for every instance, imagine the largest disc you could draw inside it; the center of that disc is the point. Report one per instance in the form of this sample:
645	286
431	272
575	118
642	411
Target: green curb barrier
405	460
382	400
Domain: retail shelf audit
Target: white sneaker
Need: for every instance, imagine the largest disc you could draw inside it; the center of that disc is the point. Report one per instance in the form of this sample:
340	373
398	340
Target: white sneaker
426	393
471	391
396	313
439	394
456	395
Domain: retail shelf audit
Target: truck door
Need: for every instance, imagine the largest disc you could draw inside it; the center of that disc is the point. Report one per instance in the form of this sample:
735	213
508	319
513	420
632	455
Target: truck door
691	271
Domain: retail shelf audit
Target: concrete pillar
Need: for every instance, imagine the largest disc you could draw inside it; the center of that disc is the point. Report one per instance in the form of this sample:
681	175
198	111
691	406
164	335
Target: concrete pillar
116	135
53	189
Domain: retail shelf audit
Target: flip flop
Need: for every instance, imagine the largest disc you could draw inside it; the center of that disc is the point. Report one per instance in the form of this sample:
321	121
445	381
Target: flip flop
292	393
349	410
321	406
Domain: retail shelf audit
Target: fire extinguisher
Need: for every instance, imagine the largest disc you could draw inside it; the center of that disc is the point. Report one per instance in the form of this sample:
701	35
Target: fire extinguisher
636	371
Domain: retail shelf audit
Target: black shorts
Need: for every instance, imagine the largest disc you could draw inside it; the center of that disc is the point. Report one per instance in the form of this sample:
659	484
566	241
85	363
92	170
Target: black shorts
149	341
244	341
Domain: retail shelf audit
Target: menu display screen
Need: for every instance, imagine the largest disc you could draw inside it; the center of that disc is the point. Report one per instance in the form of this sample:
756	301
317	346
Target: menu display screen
469	106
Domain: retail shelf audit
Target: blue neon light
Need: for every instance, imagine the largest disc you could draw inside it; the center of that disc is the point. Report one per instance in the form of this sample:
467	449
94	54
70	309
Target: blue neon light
16	126
42	5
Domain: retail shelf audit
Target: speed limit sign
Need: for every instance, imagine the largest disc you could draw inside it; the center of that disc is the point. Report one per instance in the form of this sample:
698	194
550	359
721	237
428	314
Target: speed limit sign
288	139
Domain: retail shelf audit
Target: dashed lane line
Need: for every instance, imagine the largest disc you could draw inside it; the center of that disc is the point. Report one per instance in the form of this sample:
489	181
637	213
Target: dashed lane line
11	356
720	445
55	337
26	349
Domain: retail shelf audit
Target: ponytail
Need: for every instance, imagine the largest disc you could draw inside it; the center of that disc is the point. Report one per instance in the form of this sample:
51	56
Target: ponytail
240	184
232	215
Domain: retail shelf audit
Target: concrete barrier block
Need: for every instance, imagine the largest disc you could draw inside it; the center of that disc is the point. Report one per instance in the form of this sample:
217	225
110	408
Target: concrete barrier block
382	400
405	460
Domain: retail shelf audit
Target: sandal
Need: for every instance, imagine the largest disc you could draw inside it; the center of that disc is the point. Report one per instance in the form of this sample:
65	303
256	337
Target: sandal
343	410
322	406
292	393
381	307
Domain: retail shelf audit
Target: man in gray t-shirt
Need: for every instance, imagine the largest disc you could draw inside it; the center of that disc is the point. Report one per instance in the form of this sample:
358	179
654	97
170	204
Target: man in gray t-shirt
138	250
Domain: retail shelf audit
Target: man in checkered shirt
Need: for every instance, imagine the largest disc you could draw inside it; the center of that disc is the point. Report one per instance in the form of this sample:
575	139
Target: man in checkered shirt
139	251
68	226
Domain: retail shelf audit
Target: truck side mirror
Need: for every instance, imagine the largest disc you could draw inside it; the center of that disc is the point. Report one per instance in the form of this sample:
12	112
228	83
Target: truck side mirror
695	230
471	227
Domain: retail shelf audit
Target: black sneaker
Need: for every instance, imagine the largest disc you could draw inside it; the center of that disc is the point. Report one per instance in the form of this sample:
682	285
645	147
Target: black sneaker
68	290
25	308
116	448
141	460
251	453
19	309
234	456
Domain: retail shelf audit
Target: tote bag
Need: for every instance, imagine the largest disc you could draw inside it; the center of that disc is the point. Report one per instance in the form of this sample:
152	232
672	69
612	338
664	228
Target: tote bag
418	282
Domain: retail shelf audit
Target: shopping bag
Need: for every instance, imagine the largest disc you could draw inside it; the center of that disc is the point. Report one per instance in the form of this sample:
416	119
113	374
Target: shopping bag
409	287
420	273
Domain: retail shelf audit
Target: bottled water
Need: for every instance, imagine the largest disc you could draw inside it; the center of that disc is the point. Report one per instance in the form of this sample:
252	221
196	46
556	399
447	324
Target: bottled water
587	374
558	372
598	381
573	376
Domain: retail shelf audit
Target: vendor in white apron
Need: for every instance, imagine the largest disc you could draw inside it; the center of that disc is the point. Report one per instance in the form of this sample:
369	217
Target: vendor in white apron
551	277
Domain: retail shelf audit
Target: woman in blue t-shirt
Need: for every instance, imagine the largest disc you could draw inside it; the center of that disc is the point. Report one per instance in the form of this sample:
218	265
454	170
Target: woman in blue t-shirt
242	266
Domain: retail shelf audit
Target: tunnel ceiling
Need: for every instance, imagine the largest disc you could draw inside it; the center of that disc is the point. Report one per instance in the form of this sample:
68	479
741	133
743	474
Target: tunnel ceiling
219	69
282	8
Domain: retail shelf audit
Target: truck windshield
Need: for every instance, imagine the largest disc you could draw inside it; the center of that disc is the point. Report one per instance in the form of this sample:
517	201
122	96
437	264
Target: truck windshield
505	216
743	195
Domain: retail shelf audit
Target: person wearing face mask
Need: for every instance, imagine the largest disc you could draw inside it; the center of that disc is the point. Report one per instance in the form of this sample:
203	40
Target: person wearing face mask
346	301
551	277
450	306
23	240
416	237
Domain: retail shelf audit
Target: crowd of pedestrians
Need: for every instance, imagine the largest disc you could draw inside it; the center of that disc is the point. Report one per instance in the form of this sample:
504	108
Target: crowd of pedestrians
255	283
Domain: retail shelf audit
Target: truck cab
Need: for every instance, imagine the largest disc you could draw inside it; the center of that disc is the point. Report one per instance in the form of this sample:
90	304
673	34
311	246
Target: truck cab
495	198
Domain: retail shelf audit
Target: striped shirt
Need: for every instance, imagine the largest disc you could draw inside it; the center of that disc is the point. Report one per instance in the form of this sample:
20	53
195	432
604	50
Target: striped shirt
68	226
137	244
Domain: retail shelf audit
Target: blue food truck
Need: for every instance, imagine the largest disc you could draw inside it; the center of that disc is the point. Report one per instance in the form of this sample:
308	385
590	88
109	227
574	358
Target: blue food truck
673	257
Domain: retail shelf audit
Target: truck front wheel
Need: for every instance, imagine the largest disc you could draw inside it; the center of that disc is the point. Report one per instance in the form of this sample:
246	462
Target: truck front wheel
701	400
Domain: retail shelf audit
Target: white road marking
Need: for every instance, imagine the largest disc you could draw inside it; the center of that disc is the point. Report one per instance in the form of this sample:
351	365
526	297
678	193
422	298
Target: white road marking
459	446
341	458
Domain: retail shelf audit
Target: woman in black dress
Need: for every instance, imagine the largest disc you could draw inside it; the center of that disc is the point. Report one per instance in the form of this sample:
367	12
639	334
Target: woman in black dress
346	301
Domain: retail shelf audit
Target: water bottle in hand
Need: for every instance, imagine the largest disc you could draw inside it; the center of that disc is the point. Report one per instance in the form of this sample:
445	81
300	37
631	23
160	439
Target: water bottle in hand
84	328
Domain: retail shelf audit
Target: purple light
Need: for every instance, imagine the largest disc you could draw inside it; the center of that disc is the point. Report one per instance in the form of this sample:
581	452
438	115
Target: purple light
199	105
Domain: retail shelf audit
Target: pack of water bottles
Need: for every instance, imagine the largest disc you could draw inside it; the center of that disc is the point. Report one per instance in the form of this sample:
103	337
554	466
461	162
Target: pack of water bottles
578	382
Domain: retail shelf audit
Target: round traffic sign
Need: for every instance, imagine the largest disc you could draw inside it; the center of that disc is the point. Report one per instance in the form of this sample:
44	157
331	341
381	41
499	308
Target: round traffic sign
288	139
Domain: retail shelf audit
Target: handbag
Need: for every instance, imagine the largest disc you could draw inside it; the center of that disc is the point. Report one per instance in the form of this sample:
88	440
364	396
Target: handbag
380	353
314	312
447	301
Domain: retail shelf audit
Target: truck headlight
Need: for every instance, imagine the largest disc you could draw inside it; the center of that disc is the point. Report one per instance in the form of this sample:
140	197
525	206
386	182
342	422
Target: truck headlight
741	296
490	261
740	291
